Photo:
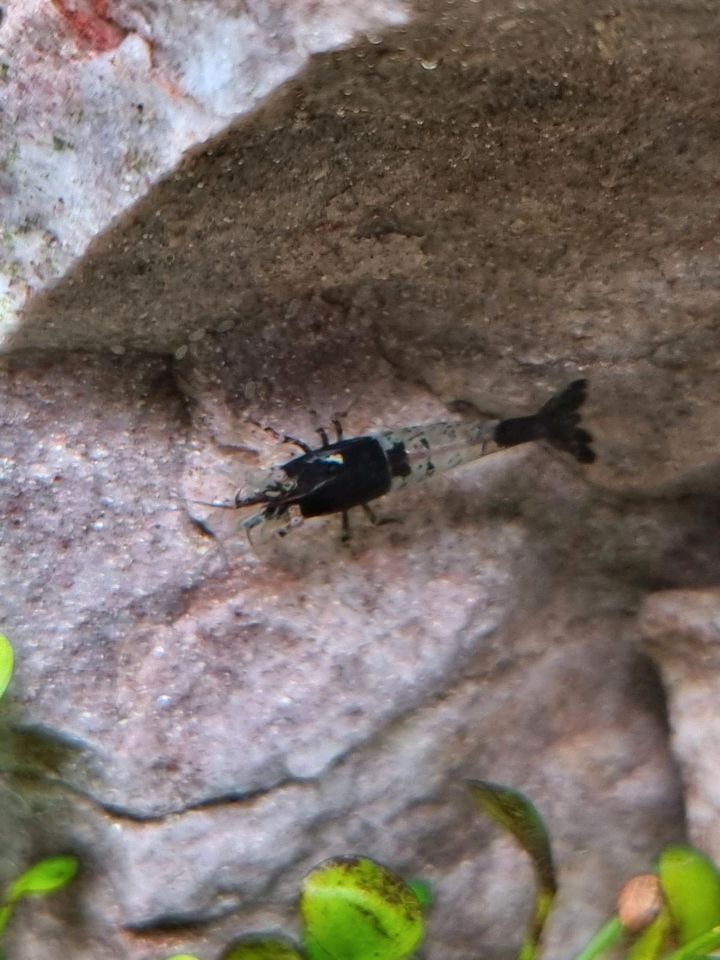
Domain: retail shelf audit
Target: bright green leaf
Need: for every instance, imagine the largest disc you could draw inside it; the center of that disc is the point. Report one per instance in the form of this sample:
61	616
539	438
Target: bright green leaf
260	948
182	956
512	811
44	877
355	909
691	883
6	663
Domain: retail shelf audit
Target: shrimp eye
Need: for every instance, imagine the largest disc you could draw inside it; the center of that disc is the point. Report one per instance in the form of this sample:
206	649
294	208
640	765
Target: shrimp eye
278	488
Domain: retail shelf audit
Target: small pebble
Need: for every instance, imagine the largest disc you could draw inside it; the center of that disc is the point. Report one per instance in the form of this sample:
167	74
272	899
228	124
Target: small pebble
639	902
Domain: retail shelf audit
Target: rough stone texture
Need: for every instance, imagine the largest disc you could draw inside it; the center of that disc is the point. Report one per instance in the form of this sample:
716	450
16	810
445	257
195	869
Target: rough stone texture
102	97
484	205
682	634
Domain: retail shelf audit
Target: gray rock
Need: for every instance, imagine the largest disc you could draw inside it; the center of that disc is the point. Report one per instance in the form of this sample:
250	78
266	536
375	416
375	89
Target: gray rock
99	103
682	634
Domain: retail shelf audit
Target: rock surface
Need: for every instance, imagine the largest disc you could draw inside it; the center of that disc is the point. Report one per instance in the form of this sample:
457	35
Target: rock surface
484	205
682	633
99	100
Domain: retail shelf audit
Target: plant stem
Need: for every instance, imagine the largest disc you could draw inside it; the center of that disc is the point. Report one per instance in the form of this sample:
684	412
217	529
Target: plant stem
606	937
541	909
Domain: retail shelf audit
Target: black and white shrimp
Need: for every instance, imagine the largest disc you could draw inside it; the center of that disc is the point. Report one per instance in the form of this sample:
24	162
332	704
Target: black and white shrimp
354	471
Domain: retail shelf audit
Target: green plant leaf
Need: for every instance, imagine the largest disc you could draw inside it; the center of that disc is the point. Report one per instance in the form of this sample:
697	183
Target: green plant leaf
691	883
515	814
512	811
355	909
44	877
7	658
256	947
423	891
182	956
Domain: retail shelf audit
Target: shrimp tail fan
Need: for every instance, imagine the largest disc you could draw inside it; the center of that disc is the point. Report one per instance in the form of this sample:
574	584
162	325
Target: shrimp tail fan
557	422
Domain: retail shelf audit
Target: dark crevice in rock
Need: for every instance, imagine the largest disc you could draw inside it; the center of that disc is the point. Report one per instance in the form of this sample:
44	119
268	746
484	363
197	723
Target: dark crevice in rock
121	812
644	680
187	922
44	747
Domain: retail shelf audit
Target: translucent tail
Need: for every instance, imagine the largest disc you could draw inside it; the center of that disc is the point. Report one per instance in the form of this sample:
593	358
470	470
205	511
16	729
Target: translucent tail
557	422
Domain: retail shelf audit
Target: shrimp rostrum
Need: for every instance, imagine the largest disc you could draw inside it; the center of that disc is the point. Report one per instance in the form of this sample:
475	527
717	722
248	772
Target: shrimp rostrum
354	471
